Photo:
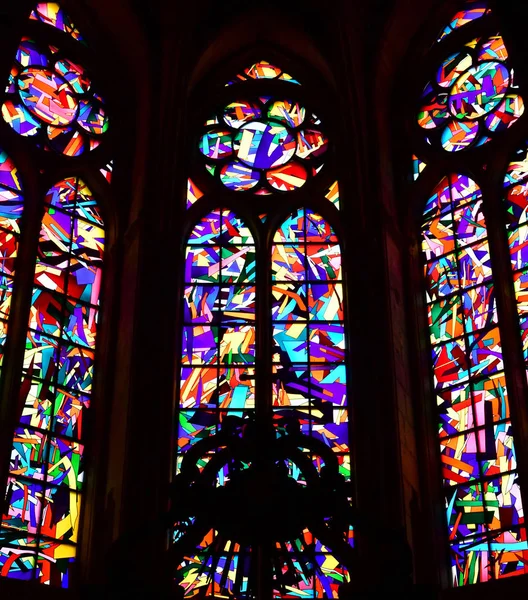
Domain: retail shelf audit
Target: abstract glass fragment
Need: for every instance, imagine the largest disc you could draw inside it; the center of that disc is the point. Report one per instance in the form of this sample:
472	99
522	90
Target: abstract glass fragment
263	70
418	167
475	9
193	193
52	14
333	194
106	171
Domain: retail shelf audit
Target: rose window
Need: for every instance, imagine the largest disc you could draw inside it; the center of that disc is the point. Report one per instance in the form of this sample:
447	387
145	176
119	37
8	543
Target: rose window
52	99
471	98
264	145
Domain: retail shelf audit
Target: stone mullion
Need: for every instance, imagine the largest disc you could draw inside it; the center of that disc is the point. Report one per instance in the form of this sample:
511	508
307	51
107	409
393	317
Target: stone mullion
376	437
11	371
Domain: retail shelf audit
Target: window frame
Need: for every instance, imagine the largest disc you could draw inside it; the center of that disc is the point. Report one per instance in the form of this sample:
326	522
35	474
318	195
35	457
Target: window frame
486	165
247	207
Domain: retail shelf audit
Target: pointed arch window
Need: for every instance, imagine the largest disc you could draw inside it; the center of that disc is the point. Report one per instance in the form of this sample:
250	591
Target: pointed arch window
469	230
51	246
263	344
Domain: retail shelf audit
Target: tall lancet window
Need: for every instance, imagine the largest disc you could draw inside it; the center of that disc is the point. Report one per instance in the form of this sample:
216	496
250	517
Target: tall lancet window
263	406
471	228
52	238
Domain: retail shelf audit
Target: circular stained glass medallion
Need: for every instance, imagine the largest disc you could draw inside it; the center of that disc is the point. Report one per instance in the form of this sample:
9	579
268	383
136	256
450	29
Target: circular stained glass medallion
48	96
238	177
74	75
312	143
493	49
511	109
67	141
479	90
288	112
238	113
434	112
20	119
287	178
29	54
216	144
452	68
92	118
264	145
458	135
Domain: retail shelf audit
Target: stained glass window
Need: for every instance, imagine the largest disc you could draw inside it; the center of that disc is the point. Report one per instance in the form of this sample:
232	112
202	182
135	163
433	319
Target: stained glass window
218	345
483	499
52	103
47	459
309	369
218	361
308	327
471	101
262	351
